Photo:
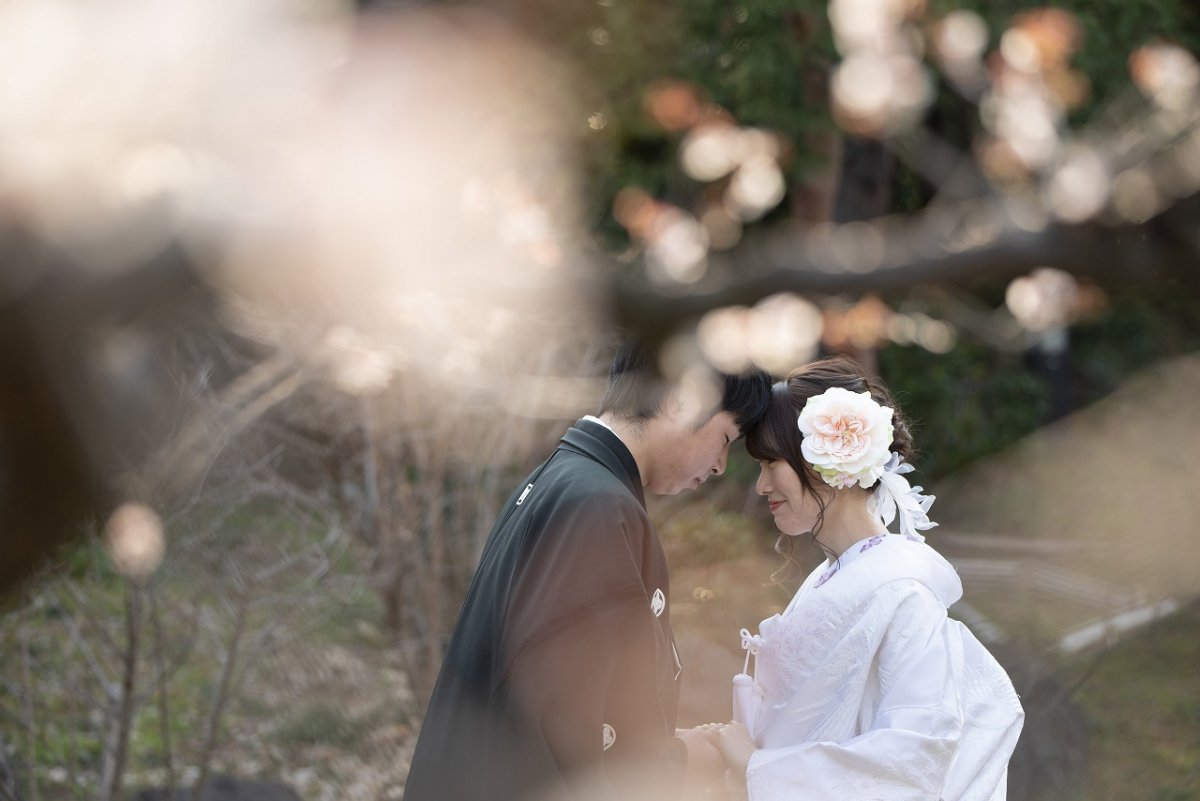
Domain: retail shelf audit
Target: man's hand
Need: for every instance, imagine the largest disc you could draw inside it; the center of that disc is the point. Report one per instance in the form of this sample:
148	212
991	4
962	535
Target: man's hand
705	764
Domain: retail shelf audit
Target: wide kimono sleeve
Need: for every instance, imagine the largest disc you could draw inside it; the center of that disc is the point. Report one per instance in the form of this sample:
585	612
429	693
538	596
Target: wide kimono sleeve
596	676
909	731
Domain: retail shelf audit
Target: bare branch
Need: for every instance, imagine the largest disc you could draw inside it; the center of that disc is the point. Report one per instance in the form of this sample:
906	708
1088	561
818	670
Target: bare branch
117	746
163	708
220	699
30	718
72	626
71	695
9	793
186	461
85	609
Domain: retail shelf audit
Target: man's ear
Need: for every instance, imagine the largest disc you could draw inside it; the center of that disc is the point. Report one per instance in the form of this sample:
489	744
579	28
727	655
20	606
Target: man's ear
695	399
674	404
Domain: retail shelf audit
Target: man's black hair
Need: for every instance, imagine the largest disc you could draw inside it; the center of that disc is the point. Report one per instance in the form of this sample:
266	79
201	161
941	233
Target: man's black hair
636	388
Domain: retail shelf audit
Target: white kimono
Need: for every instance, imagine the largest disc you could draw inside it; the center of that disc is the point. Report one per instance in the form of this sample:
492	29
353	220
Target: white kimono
865	690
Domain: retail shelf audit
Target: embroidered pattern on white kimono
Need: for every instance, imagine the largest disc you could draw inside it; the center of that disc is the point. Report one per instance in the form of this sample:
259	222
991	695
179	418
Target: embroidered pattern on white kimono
869	692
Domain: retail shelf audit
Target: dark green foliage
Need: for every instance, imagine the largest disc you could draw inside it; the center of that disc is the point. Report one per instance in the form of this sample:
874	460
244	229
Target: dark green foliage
1140	329
764	62
1113	28
964	404
975	400
767	63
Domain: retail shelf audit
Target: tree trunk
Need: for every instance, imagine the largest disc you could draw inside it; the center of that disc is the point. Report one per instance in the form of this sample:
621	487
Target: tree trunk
865	188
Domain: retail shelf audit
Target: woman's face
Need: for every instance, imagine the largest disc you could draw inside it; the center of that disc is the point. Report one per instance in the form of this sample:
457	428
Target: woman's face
794	508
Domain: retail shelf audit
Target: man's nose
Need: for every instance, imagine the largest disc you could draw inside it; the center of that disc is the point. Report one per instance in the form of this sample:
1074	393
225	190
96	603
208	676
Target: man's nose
719	467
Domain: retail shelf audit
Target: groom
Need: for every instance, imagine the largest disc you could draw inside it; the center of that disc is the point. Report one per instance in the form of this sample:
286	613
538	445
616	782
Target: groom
561	676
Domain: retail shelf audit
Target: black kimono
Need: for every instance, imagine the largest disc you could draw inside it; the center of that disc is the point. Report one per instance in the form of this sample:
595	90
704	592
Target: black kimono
562	668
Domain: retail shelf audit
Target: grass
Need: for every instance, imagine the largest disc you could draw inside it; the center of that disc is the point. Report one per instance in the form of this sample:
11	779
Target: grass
322	723
1142	704
321	692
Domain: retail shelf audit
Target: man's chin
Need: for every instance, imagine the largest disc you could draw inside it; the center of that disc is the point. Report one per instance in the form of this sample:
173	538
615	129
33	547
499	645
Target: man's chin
678	488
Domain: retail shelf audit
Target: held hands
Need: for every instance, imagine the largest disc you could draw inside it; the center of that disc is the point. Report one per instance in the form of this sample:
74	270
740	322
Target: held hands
705	764
734	743
713	748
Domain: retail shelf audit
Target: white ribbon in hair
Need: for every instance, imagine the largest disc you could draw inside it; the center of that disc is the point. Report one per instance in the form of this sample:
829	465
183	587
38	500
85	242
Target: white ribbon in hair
894	497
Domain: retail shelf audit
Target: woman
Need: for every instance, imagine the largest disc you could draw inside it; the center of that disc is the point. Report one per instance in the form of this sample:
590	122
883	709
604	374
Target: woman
863	687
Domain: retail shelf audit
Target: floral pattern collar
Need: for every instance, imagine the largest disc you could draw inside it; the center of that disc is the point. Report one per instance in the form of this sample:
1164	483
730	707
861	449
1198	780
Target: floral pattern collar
833	567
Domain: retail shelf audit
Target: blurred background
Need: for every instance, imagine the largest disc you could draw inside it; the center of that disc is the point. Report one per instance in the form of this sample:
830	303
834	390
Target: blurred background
293	292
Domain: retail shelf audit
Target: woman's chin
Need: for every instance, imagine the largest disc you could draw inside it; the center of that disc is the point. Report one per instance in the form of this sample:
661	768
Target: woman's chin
790	531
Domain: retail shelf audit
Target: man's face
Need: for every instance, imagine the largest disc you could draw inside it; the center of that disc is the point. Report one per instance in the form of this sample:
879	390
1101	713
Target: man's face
690	455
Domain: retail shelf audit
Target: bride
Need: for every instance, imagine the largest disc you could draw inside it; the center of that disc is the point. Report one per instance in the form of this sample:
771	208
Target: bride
862	688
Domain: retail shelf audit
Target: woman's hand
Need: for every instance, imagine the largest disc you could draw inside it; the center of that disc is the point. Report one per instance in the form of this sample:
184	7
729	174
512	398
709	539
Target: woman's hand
735	744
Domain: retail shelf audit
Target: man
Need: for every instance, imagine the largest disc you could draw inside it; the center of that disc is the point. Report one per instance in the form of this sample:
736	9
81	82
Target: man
560	679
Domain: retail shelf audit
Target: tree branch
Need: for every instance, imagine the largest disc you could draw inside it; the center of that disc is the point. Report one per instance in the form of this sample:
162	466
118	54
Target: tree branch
221	698
30	718
117	748
163	708
972	243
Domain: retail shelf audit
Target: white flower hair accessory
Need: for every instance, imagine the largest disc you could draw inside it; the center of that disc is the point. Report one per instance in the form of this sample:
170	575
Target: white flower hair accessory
846	437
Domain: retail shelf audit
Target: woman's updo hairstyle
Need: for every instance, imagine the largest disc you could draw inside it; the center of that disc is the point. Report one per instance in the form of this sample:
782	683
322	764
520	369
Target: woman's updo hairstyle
777	436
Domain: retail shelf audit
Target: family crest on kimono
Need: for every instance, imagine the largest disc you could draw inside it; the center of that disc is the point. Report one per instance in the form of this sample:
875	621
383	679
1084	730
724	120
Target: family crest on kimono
863	687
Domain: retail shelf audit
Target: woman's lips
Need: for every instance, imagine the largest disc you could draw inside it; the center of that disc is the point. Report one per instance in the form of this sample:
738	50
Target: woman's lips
775	505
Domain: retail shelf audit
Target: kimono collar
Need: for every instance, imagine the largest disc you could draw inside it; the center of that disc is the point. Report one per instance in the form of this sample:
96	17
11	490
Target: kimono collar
599	443
887	557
